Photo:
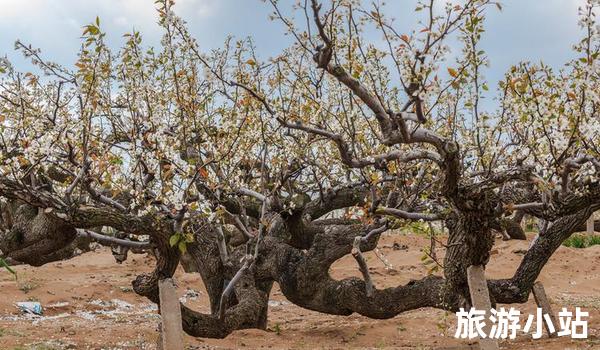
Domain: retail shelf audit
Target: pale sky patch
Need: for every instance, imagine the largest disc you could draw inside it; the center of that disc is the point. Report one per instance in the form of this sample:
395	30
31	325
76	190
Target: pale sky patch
121	21
524	30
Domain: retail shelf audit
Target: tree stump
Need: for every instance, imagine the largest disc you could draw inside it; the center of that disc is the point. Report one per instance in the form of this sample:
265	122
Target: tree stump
480	299
542	301
171	331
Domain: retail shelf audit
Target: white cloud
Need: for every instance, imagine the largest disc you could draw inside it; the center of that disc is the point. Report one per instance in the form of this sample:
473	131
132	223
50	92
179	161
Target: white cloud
121	21
200	8
18	8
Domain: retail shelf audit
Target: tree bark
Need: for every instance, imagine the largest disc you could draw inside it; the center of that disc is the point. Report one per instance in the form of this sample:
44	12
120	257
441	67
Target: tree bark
517	288
469	243
34	237
513	226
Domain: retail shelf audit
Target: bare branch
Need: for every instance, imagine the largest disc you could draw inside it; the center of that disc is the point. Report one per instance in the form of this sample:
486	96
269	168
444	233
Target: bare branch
248	260
110	241
362	264
350	161
571	164
251	193
409	215
222	247
524	206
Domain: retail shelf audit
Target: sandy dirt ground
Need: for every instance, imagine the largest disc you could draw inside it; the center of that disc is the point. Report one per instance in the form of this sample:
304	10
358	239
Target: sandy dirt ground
89	304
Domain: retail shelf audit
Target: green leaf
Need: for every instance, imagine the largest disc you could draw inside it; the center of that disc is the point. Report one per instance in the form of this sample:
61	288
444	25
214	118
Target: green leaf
92	29
182	247
174	239
116	161
4	264
432	269
97	21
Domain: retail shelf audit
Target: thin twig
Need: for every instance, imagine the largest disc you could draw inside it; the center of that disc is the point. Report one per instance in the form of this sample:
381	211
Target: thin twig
248	259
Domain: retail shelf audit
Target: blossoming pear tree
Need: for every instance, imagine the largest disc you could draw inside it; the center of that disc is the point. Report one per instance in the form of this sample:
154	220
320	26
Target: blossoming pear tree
255	171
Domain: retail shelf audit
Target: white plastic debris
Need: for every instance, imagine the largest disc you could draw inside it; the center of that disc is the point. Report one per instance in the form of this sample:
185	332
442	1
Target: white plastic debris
190	294
30	307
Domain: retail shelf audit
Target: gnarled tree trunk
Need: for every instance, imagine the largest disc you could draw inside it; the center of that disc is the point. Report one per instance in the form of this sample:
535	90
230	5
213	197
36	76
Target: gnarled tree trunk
34	237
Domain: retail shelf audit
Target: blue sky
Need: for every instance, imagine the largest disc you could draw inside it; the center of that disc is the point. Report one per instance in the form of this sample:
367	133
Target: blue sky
524	30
